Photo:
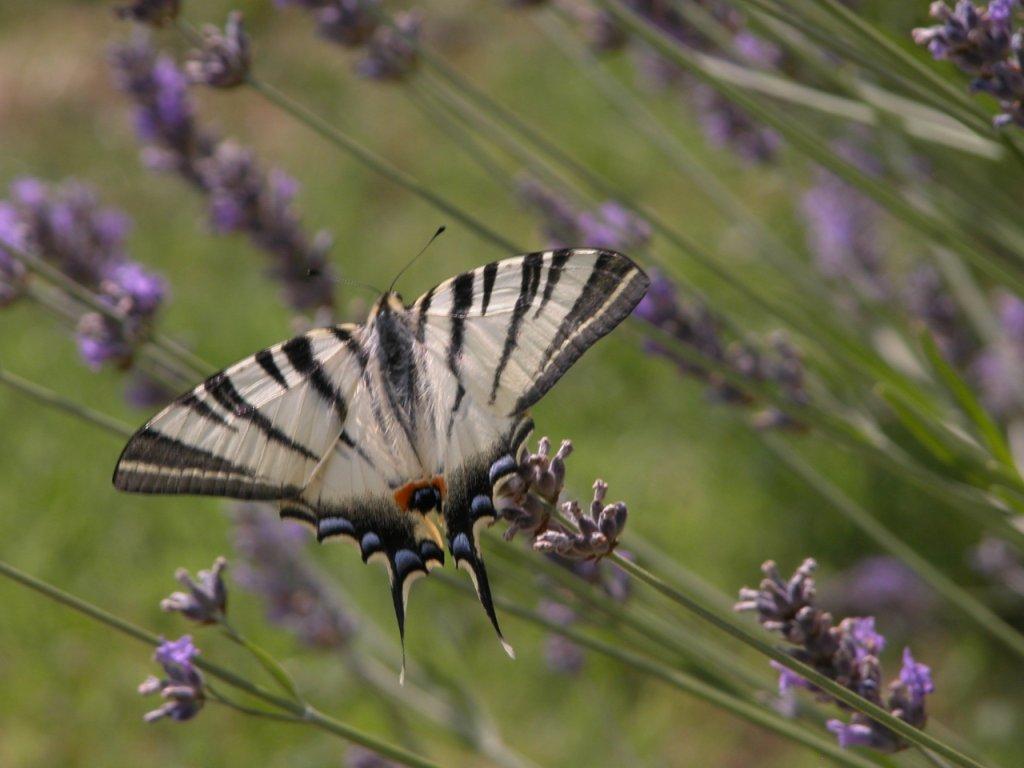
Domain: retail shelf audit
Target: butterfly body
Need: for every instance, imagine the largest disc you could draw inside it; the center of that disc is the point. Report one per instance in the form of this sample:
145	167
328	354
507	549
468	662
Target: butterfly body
387	433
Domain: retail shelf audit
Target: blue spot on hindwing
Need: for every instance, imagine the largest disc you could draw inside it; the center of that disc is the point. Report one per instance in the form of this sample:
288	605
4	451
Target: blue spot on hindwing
334	526
506	465
369	544
462	549
481	506
406	561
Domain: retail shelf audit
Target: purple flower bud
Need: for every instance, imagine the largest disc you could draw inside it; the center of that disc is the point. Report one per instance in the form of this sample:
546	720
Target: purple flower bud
178	652
852	734
223	60
595	536
182	689
29	192
13	277
391	53
145	290
349	23
206	601
916	677
866	639
788	679
100	340
613	227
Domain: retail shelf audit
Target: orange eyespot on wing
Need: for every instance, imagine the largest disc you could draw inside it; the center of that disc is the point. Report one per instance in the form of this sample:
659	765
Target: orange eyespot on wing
422	495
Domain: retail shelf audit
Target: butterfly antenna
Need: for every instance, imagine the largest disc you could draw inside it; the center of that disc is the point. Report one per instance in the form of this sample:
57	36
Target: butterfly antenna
358	284
412	261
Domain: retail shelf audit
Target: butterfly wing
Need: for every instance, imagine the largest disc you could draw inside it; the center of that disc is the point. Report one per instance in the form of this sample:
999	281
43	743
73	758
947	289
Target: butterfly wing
498	339
257	430
298	424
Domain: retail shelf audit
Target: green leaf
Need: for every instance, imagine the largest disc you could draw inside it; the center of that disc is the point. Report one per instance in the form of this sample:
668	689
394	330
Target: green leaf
987	429
270	664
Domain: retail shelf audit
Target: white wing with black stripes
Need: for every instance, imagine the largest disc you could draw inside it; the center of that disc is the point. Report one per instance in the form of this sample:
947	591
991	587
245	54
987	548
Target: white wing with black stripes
257	430
496	340
382	432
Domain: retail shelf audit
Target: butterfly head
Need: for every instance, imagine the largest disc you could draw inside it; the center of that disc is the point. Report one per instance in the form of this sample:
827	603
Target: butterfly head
388	302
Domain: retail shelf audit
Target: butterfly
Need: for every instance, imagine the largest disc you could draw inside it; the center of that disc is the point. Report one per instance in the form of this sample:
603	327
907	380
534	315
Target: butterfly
388	432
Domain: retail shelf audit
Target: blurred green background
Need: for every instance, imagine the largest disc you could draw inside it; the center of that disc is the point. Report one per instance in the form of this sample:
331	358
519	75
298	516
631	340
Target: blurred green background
695	478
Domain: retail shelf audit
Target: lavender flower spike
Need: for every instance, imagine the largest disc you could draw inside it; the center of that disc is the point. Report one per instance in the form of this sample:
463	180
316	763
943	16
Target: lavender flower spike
596	535
847	653
981	42
206	601
391	53
182	688
224	59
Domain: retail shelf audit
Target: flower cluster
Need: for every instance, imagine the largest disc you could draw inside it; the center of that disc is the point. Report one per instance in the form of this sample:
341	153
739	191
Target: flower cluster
224	58
274	566
981	41
595	536
610	225
390	51
67	226
182	686
694	326
206	601
242	197
847	653
526	493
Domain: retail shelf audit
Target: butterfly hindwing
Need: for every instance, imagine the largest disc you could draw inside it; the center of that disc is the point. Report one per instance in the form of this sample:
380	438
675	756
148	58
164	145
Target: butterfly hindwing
497	339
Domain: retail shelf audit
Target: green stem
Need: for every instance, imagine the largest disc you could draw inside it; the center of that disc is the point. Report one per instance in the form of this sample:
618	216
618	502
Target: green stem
51	399
731	627
305	713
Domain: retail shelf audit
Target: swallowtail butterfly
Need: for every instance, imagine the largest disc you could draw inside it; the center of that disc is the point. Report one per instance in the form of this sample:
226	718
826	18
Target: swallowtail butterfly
382	431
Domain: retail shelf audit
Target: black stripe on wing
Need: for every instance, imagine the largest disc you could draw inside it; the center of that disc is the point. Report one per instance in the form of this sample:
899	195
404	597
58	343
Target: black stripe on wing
299	352
531	268
222	389
615	286
265	359
558	260
155	463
